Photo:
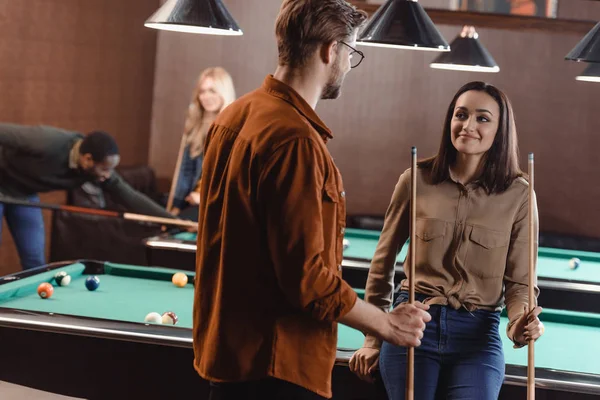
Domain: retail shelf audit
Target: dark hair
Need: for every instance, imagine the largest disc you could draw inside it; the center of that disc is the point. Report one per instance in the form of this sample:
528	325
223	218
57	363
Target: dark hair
100	145
501	160
304	24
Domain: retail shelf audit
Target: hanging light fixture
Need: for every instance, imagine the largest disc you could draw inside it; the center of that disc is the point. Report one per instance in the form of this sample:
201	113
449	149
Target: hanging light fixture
402	24
194	16
467	54
588	49
590	74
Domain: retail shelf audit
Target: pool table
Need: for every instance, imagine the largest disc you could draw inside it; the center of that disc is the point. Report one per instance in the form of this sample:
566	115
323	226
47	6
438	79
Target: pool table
95	344
560	286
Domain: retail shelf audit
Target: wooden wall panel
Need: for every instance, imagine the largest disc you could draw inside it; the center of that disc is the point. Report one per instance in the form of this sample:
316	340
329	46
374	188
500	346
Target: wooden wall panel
393	100
81	65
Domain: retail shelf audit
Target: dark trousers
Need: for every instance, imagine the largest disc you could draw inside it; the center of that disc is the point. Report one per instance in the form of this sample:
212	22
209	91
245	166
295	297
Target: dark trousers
27	228
264	389
460	357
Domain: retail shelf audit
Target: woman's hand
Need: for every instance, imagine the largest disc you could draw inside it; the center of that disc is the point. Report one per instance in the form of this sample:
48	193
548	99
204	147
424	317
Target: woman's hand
528	326
193	198
364	362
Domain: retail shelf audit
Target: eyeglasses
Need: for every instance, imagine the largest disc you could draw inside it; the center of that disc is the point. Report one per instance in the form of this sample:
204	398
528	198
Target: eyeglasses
354	62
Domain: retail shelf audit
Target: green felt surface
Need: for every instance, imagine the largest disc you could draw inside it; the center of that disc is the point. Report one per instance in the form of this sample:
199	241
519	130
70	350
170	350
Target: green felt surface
552	263
128	293
187	236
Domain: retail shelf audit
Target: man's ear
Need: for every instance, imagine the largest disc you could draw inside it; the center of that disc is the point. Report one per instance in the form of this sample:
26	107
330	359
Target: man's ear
328	52
87	161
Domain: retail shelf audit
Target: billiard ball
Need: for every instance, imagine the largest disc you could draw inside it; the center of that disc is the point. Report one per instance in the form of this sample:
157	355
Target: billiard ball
179	279
62	278
45	290
346	243
154	318
574	263
92	283
170	318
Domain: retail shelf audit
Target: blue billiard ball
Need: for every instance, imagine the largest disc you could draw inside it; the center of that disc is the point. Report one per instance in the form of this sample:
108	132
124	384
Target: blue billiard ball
92	283
574	263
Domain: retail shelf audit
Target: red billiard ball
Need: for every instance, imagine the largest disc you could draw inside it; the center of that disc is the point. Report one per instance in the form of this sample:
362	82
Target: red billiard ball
45	290
170	318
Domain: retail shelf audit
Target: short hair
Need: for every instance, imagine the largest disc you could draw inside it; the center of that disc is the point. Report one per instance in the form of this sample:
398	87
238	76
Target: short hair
302	25
502	159
100	145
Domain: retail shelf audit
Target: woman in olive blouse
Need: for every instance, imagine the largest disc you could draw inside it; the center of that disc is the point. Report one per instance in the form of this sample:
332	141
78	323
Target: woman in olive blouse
471	256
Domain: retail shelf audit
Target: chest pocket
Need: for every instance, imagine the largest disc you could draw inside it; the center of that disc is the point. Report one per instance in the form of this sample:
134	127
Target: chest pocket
429	229
487	252
430	234
334	222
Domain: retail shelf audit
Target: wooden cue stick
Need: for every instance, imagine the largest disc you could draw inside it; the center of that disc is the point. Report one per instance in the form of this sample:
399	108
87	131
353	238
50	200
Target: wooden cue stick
104	213
175	179
531	347
410	370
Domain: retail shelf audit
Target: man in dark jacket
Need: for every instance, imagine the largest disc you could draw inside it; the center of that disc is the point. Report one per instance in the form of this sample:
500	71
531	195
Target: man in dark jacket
37	159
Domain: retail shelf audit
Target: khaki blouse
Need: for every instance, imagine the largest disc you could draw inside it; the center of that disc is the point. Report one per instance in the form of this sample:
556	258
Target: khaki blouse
471	247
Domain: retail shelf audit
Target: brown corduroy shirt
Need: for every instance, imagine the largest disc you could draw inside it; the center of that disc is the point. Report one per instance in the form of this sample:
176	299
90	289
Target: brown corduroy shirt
271	225
472	248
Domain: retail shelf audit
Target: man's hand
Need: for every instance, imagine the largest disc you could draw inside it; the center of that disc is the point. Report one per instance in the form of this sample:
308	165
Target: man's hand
403	326
193	198
406	324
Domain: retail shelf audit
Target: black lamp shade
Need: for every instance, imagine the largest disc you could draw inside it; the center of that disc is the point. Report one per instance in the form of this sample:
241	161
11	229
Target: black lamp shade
194	16
588	49
467	54
590	74
403	24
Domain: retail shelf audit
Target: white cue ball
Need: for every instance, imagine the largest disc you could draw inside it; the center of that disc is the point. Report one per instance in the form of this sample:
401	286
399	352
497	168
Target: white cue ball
153	317
65	281
574	263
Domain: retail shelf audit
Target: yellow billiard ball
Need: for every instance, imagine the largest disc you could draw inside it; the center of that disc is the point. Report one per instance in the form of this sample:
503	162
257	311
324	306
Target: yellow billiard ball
179	279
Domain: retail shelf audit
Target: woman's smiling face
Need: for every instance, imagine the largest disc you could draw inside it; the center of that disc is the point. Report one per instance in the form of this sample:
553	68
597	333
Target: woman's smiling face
474	123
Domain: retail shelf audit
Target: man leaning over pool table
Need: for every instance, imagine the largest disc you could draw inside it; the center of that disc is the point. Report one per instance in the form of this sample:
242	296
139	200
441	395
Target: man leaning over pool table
269	289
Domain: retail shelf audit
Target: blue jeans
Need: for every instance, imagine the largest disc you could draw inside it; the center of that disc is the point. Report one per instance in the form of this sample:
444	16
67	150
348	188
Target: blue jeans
460	357
27	227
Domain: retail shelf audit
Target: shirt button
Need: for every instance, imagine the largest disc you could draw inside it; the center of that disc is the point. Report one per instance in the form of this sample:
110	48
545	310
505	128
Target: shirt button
343	230
340	267
343	194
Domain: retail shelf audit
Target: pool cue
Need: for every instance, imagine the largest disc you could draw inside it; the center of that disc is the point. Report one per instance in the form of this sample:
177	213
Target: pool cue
410	370
175	179
103	213
531	347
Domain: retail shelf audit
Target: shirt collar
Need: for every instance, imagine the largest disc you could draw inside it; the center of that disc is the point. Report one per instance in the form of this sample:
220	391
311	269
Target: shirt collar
74	155
472	185
279	89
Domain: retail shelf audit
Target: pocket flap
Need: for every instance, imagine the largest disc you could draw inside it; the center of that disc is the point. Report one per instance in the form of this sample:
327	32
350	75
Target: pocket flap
429	229
330	192
488	238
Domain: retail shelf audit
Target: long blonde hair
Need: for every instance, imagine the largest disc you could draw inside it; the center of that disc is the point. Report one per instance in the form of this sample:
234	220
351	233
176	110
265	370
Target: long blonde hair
196	126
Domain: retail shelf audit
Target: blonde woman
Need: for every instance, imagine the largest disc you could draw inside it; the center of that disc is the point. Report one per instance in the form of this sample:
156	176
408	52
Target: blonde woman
213	92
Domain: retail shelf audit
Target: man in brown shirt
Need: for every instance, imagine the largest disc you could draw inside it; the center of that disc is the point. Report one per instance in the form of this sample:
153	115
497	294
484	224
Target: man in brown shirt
269	290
